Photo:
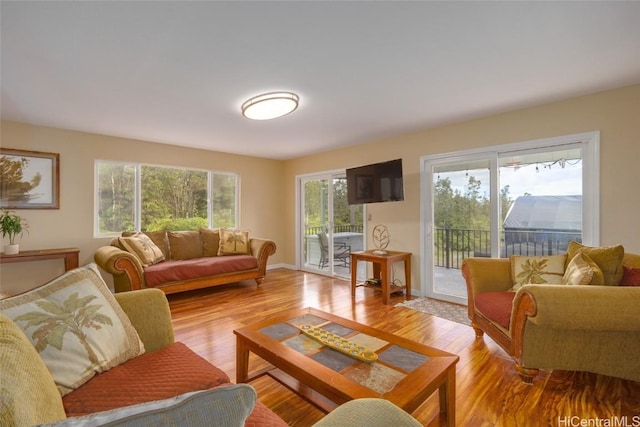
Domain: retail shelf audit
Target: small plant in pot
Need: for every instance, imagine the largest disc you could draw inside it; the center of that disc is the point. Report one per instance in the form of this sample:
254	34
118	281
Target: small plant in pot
12	225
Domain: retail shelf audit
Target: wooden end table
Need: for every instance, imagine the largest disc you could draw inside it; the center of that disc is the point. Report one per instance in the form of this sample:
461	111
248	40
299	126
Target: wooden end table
382	265
69	255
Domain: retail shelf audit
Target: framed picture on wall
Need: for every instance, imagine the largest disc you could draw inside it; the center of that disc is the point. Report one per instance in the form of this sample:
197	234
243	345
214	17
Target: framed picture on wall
29	179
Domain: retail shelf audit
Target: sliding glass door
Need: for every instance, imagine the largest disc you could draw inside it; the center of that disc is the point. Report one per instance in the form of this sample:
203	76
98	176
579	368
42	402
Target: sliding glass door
461	220
330	228
521	199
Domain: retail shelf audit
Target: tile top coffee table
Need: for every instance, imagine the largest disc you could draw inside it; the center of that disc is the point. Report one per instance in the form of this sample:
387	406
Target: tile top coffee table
406	373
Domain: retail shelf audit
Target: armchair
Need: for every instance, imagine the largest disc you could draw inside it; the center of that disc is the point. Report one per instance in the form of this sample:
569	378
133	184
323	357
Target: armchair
591	328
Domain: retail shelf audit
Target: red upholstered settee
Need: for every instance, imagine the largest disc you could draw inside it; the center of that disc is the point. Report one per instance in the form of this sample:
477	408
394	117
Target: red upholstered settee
167	368
168	384
183	260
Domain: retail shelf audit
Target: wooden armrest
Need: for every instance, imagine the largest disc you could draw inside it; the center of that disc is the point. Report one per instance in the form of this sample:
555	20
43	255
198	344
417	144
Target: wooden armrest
126	268
261	249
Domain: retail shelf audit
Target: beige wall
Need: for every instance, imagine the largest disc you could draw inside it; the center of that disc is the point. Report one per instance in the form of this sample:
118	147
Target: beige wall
261	199
269	211
615	113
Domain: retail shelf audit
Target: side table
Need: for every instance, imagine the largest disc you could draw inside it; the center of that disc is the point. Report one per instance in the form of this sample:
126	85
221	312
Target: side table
382	265
70	256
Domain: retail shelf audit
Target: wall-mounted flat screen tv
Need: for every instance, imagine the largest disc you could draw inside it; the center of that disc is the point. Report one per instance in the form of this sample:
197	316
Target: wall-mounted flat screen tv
378	182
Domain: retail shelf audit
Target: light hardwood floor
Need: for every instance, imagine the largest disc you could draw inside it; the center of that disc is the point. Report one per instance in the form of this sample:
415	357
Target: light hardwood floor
489	392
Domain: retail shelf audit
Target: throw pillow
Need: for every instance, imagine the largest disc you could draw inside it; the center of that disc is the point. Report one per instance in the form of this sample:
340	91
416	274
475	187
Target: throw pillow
598	276
28	394
76	325
157	237
609	259
578	272
630	277
234	242
210	241
537	269
143	247
222	406
185	244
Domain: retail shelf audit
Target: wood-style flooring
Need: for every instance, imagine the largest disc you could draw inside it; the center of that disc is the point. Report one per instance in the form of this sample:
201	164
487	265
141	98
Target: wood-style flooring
489	392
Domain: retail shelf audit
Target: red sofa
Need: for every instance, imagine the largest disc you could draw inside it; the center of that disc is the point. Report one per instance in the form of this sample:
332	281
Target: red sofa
187	260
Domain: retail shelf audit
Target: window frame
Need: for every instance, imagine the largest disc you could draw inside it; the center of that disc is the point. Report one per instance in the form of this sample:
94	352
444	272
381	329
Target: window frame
138	194
590	144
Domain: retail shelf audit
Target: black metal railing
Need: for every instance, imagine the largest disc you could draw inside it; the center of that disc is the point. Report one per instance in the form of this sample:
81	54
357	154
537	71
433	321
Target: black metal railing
346	228
453	245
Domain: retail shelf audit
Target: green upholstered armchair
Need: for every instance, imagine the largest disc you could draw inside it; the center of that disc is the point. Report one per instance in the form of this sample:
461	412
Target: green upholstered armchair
593	328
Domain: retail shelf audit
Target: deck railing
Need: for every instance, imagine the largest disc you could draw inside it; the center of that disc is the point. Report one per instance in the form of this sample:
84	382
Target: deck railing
346	228
453	245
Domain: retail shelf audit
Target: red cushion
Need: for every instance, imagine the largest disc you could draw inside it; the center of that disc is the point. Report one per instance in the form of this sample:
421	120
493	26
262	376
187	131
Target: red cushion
172	271
496	306
162	374
631	277
158	375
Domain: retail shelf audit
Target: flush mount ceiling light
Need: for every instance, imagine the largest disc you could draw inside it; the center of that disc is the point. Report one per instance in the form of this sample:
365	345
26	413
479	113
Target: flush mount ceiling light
270	105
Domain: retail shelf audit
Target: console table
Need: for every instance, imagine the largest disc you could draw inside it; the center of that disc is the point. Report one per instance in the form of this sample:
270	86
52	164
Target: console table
70	256
382	265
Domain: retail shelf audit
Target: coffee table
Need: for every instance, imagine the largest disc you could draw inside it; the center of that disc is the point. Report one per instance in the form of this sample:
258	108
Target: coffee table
406	373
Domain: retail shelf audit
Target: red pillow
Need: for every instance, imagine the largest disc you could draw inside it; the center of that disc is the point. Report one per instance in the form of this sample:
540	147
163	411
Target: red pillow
631	277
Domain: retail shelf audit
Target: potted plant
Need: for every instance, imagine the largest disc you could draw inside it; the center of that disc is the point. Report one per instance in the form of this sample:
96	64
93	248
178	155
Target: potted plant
12	225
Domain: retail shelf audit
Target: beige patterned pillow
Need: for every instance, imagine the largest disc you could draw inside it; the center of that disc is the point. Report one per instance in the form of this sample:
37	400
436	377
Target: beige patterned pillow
578	272
234	242
537	269
143	247
76	325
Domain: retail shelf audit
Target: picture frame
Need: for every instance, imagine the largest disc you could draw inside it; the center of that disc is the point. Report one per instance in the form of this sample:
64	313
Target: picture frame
29	179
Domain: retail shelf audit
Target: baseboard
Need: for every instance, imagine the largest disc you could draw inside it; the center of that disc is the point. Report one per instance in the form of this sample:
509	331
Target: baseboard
287	266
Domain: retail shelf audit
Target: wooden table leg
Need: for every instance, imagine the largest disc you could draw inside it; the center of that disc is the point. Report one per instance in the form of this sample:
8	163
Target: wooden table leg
242	361
376	270
71	261
354	274
385	268
447	395
407	275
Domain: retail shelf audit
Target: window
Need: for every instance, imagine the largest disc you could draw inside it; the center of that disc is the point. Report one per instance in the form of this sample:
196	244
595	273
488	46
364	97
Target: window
131	196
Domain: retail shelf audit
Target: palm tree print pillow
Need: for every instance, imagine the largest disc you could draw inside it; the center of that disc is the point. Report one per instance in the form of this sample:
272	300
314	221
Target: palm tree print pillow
234	242
76	325
143	247
537	270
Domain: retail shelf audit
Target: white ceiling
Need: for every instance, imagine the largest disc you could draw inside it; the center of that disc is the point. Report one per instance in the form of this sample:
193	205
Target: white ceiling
177	72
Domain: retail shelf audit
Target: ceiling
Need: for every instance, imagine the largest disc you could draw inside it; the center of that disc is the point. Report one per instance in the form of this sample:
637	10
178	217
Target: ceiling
177	72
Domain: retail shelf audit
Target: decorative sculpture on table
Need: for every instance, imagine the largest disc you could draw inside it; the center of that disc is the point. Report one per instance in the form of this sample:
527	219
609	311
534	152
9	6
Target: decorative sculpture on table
381	239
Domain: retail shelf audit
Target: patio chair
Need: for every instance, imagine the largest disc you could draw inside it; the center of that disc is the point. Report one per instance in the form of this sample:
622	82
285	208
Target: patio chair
341	252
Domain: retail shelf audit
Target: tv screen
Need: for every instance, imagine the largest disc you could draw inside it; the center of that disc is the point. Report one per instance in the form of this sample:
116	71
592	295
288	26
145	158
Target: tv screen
378	182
